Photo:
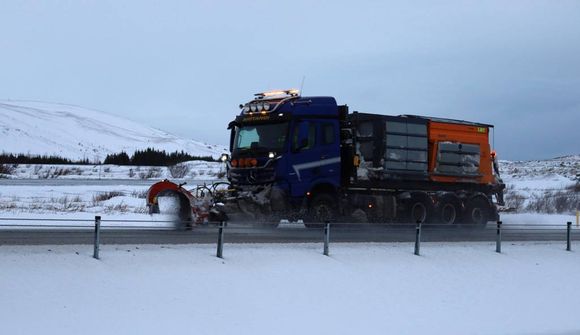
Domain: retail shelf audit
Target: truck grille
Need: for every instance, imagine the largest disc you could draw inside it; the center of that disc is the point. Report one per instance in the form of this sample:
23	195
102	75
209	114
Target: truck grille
252	176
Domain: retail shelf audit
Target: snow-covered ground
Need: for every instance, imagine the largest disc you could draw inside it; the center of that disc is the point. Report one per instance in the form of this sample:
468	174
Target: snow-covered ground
127	202
453	288
549	186
536	219
44	128
192	170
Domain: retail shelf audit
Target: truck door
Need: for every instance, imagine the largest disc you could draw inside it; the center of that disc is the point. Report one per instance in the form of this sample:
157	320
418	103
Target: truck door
314	154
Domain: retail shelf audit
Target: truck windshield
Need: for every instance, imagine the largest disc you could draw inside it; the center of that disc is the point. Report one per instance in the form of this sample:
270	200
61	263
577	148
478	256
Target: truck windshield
263	137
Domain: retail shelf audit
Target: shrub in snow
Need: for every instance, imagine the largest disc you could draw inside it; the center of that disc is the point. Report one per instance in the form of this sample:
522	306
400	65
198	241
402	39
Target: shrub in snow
563	201
139	194
151	173
6	169
514	200
179	170
118	208
97	198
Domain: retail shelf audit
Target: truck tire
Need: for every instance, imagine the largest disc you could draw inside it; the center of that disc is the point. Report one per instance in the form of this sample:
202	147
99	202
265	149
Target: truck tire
418	210
448	210
448	213
322	209
477	211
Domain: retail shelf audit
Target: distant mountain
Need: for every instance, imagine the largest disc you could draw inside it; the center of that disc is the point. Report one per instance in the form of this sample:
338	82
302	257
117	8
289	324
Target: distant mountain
42	128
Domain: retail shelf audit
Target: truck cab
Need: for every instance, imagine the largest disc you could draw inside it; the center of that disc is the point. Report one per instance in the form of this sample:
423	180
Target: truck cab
283	147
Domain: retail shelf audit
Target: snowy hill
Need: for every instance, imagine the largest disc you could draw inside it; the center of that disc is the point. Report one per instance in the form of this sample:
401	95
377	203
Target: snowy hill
41	128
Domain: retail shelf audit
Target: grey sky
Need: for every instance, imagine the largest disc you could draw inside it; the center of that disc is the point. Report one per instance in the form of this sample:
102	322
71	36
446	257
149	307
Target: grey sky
184	66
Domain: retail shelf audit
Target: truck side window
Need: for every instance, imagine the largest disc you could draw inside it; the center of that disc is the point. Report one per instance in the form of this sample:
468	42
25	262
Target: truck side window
327	133
304	136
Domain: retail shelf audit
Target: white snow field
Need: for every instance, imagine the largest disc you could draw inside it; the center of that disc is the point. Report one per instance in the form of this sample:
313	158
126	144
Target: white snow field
532	182
126	201
44	128
191	170
453	288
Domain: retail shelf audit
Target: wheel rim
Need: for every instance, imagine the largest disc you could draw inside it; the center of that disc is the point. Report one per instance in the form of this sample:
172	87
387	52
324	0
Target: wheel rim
418	212
448	214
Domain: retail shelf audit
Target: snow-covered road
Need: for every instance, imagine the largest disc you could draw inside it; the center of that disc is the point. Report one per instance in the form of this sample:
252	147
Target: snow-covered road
456	288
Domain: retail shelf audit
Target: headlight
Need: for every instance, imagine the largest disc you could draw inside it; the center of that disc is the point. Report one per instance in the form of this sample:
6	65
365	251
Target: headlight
259	106
271	155
266	106
253	107
224	157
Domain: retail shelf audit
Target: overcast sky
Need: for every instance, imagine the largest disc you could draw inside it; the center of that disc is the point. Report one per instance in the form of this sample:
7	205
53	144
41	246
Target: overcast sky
184	66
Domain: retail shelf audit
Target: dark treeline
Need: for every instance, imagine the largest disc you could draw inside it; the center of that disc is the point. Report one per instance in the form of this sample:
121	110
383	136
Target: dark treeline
153	157
39	159
148	156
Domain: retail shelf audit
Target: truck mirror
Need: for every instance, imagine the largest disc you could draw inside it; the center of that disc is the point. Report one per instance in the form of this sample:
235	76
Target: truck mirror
232	137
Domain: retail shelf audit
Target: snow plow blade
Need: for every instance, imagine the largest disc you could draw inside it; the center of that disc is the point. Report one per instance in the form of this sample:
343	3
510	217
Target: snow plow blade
195	206
168	188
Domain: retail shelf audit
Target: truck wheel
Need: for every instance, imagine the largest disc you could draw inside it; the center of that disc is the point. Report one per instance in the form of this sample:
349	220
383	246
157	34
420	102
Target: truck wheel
418	211
448	211
477	211
322	209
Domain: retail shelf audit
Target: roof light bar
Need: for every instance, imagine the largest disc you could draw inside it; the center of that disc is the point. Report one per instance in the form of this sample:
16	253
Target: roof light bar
278	94
262	103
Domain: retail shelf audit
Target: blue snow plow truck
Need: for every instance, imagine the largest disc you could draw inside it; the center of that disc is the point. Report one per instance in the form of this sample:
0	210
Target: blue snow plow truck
308	158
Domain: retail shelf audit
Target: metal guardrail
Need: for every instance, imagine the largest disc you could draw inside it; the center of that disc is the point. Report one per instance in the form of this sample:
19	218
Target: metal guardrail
96	225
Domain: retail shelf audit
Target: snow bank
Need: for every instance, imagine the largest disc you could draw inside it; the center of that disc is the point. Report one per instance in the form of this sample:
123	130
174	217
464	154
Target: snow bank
290	289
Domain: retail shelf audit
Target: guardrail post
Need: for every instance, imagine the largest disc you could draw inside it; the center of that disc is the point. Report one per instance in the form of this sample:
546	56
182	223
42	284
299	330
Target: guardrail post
220	243
326	238
569	236
97	237
498	238
418	239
